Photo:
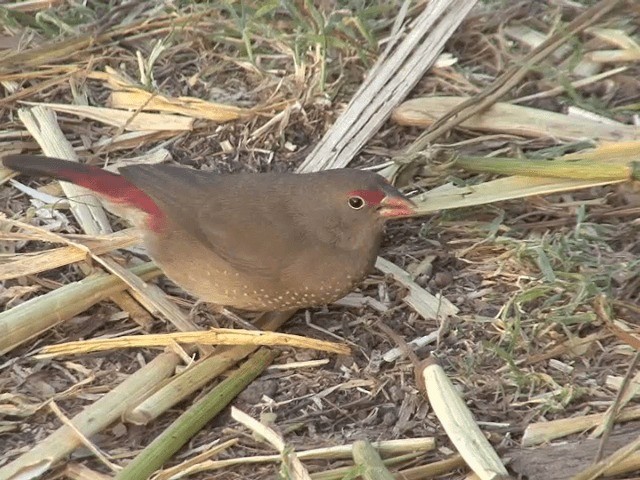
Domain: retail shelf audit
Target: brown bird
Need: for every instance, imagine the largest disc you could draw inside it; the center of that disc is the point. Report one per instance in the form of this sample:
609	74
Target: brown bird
253	241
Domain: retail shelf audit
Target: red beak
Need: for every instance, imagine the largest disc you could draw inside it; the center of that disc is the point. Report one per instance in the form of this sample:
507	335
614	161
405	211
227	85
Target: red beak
396	205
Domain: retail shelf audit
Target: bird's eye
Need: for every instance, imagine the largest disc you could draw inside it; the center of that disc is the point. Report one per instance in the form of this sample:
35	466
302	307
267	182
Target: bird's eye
356	203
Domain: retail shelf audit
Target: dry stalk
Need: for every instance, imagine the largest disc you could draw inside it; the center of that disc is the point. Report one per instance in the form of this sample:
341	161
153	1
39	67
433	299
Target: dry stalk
389	82
537	433
291	463
213	336
460	426
623	396
449	196
427	305
583	82
59	257
513	119
123	118
432	469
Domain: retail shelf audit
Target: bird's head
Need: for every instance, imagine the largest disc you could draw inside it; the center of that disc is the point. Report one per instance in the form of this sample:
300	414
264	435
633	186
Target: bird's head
383	200
348	207
359	194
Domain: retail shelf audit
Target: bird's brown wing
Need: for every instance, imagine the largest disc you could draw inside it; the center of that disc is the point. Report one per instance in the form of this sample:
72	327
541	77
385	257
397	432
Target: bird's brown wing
241	218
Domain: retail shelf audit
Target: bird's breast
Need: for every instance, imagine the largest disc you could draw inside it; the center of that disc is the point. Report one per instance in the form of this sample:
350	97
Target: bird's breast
315	275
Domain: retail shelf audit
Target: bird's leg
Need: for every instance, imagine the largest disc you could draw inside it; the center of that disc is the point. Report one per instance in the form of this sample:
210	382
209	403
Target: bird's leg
197	308
238	320
241	322
307	320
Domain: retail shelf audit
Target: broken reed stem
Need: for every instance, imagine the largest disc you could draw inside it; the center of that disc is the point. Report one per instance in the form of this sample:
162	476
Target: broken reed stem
195	418
94	418
427	305
418	445
125	120
58	257
575	170
537	433
31	318
213	336
516	120
369	463
459	424
75	471
506	188
432	469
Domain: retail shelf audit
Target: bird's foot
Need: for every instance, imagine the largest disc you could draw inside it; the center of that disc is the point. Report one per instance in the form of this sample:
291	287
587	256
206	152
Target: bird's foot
241	322
307	320
201	308
220	310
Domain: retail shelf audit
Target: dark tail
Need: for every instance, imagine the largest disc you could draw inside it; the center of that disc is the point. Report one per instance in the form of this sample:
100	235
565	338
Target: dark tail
74	172
114	187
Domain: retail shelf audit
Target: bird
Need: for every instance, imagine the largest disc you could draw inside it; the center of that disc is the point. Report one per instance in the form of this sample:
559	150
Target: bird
250	241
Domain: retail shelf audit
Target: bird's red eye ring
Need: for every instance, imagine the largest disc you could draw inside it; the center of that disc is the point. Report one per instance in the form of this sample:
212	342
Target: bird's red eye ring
356	202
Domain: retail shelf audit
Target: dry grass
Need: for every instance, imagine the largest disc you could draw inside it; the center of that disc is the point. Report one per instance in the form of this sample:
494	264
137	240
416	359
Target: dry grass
541	292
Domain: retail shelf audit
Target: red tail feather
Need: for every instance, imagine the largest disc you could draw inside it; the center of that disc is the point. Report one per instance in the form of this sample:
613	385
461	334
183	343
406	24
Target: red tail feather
115	188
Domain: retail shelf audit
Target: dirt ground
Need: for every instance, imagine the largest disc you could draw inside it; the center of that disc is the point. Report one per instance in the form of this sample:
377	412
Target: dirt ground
528	276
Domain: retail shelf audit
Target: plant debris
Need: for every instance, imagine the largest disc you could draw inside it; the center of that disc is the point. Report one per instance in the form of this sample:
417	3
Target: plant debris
523	285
